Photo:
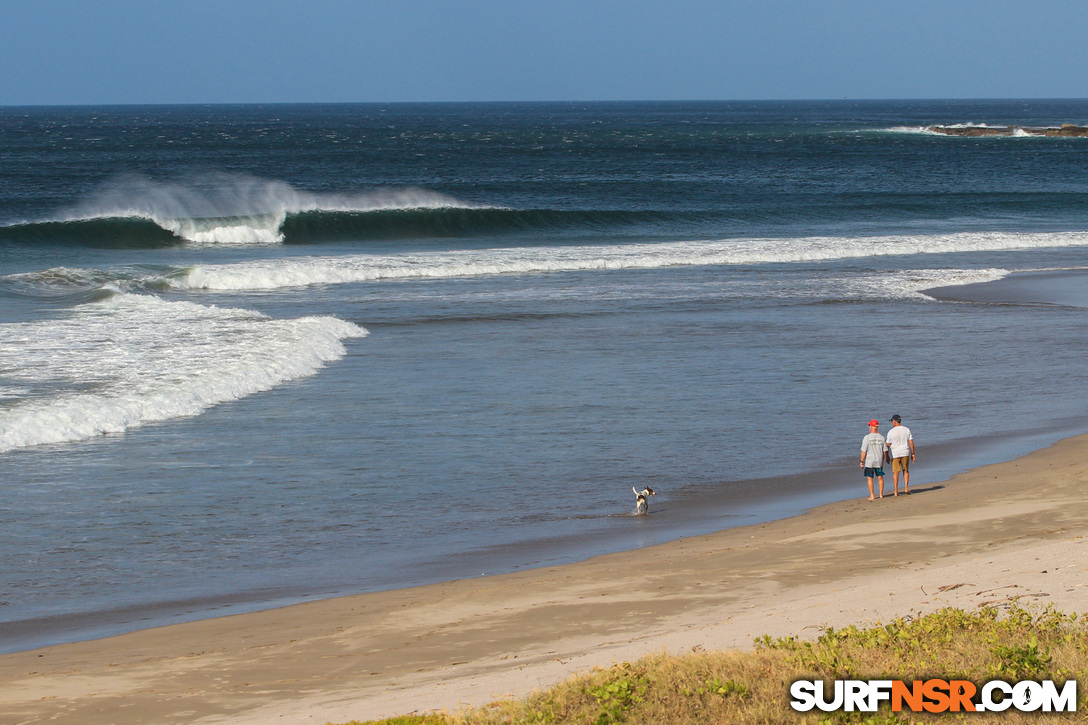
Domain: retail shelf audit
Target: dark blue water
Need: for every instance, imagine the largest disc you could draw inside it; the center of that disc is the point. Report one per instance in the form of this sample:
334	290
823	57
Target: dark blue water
257	354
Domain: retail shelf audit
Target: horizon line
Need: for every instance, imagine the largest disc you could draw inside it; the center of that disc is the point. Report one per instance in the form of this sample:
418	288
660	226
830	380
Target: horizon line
530	102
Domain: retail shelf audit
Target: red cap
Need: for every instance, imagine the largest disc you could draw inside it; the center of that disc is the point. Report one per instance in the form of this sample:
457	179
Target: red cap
875	422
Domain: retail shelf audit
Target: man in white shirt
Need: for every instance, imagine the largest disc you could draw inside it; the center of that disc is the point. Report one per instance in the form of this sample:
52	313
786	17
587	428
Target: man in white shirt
874	451
901	447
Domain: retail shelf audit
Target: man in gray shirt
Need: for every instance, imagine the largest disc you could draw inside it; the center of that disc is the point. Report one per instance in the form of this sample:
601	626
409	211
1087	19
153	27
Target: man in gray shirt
874	451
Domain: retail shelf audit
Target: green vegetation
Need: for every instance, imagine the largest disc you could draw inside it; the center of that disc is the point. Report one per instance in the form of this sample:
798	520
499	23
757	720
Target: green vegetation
753	687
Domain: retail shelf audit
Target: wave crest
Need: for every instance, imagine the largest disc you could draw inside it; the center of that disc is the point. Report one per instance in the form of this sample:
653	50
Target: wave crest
223	208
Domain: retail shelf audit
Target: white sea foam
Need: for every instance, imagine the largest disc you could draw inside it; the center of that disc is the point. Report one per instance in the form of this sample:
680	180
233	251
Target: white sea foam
112	365
235	209
909	129
926	130
58	281
911	283
286	273
258	229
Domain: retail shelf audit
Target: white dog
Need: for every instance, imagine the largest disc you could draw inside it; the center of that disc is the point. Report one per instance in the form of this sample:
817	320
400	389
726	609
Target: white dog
641	506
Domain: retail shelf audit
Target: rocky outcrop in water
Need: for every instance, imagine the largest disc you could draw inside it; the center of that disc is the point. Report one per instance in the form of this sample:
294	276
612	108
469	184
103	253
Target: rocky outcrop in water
1065	130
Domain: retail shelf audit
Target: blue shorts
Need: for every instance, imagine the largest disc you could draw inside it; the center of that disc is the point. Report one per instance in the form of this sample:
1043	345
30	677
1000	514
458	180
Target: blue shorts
870	472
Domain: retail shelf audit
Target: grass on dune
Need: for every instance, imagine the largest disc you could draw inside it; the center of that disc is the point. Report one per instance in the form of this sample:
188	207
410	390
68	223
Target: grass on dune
741	687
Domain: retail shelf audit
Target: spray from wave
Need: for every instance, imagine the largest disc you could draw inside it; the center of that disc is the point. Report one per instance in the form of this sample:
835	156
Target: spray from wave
225	208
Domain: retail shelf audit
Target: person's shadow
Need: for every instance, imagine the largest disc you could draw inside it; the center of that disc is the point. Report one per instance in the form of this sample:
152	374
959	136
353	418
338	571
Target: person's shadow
915	490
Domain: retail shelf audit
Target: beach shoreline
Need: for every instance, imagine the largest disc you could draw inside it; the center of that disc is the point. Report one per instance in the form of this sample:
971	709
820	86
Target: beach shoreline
730	505
1012	531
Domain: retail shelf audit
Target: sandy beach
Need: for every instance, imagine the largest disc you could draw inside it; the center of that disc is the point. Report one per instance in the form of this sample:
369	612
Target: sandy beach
1009	531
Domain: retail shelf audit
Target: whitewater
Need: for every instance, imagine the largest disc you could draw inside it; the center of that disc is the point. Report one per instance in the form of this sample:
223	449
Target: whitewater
129	359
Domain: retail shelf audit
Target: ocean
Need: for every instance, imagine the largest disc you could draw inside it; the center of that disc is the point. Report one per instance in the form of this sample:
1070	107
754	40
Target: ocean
255	355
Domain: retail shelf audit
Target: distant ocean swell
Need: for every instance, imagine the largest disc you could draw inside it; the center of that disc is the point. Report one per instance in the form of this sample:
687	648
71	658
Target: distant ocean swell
222	209
129	359
316	226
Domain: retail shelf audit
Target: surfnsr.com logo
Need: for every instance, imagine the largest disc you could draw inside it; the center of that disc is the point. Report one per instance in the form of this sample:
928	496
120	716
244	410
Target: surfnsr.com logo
934	696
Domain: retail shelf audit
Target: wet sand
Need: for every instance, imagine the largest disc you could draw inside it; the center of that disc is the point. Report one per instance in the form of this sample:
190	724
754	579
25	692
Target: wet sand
1053	287
1013	530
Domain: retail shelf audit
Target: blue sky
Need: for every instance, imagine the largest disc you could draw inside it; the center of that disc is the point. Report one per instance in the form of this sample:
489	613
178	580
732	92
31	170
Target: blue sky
243	51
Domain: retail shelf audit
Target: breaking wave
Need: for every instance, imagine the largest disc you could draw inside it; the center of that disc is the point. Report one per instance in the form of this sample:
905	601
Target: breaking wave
224	210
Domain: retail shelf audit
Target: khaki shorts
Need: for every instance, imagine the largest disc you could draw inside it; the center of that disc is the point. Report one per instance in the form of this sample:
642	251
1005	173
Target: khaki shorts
901	464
